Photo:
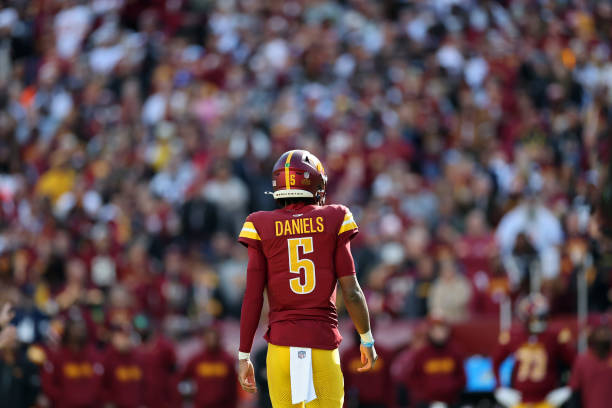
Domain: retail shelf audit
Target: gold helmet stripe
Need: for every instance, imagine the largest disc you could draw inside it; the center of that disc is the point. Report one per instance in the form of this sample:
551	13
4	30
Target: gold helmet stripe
287	164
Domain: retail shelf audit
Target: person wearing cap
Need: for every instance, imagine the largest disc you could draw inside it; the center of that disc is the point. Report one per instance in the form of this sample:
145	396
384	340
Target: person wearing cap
437	373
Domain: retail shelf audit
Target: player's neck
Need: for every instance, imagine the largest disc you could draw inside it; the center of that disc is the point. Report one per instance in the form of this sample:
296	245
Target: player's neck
295	206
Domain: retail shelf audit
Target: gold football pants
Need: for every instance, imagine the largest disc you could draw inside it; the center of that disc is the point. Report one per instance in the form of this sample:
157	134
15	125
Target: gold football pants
328	380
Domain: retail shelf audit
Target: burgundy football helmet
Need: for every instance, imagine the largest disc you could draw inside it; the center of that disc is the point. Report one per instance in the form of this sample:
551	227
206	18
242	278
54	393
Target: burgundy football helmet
298	173
533	311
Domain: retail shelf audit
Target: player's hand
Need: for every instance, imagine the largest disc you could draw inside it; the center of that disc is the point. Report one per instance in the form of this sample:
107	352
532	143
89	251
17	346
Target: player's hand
6	314
8	335
368	358
246	376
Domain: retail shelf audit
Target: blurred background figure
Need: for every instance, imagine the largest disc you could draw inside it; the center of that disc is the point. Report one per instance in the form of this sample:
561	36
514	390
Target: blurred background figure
19	374
470	139
213	373
591	379
541	354
72	373
372	389
527	234
450	293
124	376
261	378
159	364
8	332
436	372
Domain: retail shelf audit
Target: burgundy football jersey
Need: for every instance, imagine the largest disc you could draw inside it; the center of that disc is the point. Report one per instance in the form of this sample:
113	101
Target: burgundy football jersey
537	358
298	243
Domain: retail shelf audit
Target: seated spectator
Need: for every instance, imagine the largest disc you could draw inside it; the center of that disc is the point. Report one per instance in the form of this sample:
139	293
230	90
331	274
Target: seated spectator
436	372
451	293
214	374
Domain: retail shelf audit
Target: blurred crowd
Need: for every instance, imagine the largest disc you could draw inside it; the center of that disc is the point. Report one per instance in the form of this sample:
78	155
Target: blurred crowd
471	139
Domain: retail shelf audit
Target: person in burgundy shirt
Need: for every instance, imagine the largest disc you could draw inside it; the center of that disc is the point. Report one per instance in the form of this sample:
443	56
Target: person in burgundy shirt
213	373
436	373
123	371
159	365
537	350
591	379
298	253
372	389
72	375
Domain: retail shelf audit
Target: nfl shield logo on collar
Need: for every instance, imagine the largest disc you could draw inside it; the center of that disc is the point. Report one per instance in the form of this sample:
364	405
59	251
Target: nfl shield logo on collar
301	354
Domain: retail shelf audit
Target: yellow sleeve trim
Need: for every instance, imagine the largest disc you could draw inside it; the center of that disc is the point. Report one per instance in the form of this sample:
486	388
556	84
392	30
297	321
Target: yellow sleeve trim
348	224
249	231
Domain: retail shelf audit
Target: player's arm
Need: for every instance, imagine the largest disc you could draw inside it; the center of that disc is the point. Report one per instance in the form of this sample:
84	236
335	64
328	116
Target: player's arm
502	351
355	302
250	314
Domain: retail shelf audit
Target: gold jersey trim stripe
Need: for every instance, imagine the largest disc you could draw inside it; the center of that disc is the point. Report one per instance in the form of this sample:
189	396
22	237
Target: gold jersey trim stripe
249	231
347	226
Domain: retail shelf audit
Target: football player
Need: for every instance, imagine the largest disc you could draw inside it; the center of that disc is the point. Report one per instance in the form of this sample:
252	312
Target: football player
538	352
298	253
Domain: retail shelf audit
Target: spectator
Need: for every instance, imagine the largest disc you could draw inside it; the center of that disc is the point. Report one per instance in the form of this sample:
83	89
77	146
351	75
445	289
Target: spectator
214	374
229	194
591	378
436	372
8	333
122	139
527	228
21	383
451	292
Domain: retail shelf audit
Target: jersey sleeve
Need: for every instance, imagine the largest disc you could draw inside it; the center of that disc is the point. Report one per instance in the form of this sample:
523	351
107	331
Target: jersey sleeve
248	234
348	227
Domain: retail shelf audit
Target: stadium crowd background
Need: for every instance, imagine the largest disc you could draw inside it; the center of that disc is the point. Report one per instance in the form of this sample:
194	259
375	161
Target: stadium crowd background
470	139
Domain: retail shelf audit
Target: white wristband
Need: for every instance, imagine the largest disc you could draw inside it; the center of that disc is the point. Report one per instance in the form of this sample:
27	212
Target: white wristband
367	338
243	356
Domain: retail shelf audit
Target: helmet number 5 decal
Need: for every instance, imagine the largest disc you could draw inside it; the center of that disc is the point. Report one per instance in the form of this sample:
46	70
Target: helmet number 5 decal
296	265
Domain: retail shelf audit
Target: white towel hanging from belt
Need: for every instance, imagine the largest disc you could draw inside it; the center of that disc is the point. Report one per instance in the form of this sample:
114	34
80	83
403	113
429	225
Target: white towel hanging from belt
300	369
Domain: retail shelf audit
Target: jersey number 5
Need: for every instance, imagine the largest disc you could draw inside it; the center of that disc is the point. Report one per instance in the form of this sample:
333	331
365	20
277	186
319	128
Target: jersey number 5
296	265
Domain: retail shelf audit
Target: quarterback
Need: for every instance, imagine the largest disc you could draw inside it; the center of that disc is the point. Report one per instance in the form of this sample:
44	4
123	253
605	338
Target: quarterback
298	253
